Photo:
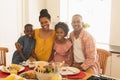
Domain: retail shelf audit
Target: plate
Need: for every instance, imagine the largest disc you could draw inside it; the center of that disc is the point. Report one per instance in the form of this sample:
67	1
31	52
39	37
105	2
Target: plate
42	63
29	75
69	71
25	63
6	69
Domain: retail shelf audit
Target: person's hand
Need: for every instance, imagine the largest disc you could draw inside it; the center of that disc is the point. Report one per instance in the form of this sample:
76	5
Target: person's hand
36	59
31	59
78	65
18	46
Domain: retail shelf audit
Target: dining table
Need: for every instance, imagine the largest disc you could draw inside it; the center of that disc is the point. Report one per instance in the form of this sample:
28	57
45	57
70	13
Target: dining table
4	75
85	78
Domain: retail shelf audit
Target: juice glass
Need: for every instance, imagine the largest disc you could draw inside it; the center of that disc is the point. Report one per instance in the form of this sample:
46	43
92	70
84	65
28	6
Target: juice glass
13	71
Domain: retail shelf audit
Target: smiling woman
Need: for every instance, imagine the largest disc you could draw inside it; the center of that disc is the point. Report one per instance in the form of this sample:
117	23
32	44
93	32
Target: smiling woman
44	36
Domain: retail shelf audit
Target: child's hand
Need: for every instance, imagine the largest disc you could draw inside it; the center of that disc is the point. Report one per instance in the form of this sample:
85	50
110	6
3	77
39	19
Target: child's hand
31	59
18	46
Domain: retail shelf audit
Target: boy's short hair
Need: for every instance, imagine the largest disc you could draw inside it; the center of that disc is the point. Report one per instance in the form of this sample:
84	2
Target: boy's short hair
27	26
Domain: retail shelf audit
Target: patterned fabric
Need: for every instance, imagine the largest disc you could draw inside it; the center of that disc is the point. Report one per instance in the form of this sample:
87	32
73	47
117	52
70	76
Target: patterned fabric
61	52
43	47
28	45
89	50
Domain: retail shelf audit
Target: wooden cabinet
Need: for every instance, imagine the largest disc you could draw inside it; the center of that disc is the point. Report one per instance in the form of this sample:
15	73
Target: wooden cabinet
108	67
115	67
113	62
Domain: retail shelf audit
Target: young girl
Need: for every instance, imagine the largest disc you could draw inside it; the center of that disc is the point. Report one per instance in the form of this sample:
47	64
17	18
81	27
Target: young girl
62	48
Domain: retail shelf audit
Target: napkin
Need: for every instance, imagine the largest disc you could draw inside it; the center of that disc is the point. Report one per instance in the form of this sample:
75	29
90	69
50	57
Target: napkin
76	76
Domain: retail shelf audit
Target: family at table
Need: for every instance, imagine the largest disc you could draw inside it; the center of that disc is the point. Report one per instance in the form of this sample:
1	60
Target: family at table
44	44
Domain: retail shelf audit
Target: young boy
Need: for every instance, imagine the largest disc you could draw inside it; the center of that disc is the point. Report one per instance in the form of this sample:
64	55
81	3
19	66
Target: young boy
25	46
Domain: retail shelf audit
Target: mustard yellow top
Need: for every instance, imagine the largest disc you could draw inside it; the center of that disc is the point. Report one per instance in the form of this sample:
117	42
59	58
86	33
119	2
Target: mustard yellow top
43	47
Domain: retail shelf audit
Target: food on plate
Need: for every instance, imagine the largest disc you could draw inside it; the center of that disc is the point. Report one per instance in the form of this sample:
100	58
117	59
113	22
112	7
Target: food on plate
48	68
14	66
5	69
14	77
46	71
69	71
29	75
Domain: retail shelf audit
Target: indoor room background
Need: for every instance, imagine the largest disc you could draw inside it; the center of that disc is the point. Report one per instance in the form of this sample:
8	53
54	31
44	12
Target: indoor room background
102	16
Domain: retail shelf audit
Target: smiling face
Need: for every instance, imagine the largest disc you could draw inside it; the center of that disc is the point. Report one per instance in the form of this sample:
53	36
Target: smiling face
60	34
29	31
45	23
77	22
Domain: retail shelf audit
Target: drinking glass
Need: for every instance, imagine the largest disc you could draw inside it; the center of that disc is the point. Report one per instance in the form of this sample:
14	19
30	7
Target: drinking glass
13	71
65	76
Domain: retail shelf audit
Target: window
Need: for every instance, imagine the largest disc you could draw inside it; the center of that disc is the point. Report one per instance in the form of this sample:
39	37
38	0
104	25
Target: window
94	12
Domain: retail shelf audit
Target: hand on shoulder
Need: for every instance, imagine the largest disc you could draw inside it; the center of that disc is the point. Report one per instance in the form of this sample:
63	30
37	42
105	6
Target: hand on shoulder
18	46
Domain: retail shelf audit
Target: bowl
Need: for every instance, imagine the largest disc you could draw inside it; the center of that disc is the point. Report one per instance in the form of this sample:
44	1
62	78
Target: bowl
44	76
46	71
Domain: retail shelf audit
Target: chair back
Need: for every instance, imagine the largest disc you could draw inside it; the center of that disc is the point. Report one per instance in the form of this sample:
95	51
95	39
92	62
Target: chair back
103	57
3	51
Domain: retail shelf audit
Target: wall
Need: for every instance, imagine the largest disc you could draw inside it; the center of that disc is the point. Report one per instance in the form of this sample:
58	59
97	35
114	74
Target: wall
31	10
34	11
53	7
115	23
14	14
10	24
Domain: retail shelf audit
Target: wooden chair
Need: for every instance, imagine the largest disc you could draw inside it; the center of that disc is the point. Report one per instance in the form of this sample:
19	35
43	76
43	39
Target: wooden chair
103	56
3	51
